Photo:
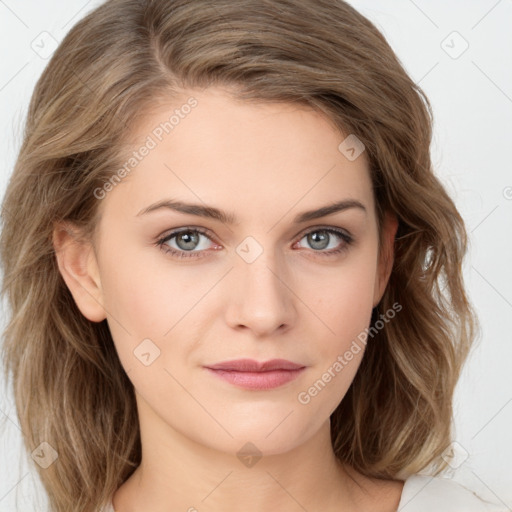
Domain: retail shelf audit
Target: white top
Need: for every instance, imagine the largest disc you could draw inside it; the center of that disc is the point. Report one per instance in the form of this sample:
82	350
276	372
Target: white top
423	493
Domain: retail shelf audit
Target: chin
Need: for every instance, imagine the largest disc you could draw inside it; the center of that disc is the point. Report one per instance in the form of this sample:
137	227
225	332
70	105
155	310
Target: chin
263	437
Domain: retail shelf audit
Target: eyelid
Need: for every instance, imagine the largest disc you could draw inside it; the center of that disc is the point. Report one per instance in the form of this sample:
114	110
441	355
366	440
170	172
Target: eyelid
175	232
345	235
208	233
326	227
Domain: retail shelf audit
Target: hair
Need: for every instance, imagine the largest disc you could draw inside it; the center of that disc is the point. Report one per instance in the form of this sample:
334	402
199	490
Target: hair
114	66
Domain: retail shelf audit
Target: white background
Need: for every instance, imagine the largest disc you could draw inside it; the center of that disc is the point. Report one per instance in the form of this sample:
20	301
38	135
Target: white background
471	95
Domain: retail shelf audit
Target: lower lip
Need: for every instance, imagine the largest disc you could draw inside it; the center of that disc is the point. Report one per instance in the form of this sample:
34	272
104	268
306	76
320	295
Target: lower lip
258	380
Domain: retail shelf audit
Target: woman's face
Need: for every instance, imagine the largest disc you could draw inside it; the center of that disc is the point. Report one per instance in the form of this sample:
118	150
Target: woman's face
252	276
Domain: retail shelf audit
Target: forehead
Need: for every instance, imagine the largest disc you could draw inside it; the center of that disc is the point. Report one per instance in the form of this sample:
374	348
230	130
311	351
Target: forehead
249	157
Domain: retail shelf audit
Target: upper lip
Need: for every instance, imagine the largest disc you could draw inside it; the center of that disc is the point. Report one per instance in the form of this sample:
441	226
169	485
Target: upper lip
250	365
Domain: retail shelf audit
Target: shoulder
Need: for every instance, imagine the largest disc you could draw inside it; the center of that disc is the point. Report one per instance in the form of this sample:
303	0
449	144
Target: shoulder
422	493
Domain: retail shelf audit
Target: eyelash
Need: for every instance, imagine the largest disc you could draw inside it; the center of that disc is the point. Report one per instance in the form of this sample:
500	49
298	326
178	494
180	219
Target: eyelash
347	239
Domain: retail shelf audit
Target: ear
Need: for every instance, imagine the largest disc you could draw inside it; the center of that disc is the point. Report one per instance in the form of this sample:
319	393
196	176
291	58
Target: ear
386	256
78	266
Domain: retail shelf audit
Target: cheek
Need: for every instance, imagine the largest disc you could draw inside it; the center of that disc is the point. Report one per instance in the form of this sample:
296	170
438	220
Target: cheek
345	309
147	295
344	304
344	300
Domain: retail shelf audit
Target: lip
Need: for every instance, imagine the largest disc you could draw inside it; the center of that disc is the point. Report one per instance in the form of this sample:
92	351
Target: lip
251	374
250	365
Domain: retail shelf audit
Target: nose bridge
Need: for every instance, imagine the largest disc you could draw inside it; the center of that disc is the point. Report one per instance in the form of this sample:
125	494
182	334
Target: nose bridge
262	300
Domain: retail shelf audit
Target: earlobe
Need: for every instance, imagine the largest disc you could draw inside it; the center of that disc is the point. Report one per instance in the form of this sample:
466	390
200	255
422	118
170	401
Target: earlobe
386	256
79	268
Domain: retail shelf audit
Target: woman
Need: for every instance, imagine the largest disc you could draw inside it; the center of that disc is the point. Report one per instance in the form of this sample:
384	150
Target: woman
239	280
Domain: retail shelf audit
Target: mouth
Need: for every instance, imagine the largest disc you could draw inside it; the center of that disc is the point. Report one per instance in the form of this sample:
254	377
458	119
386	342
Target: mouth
251	374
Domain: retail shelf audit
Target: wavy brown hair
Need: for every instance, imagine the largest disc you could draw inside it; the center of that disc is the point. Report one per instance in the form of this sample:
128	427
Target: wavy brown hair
69	386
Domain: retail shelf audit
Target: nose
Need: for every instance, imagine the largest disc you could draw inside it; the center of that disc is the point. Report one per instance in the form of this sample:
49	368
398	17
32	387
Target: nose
261	296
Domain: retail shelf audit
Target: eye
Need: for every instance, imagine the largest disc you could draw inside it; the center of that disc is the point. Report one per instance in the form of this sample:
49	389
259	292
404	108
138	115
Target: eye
187	242
322	238
193	242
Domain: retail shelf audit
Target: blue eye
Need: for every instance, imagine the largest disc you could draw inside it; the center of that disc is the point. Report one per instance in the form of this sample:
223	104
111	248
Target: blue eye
187	241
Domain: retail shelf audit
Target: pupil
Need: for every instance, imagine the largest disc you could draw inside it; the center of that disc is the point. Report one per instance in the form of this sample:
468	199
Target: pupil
319	241
191	239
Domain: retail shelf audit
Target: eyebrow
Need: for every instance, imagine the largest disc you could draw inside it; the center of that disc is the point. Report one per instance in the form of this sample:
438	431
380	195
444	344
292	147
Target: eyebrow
229	218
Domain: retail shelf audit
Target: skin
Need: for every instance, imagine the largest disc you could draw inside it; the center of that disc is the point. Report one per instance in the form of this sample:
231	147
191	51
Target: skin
265	163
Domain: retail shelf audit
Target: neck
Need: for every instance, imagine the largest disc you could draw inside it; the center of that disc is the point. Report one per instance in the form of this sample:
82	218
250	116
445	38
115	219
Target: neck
176	473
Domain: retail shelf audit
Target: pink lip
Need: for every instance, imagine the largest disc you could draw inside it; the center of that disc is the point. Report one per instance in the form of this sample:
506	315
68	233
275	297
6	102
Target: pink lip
250	374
